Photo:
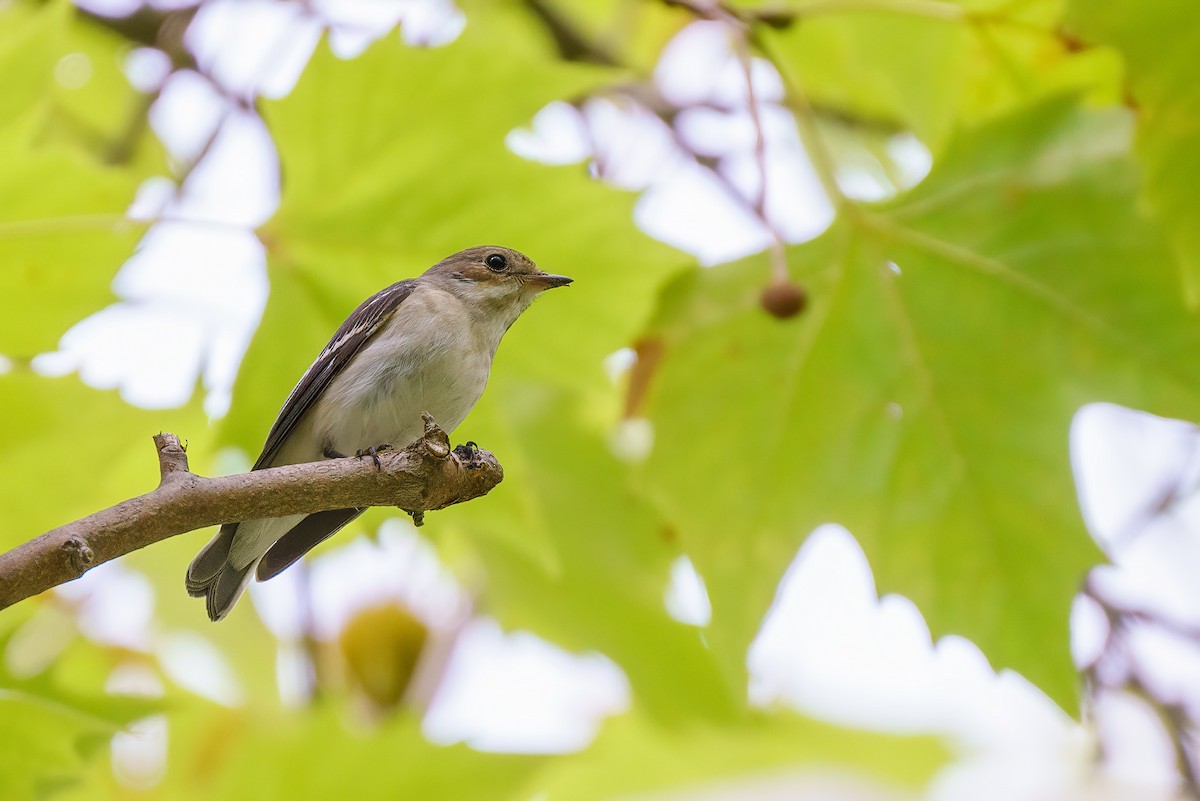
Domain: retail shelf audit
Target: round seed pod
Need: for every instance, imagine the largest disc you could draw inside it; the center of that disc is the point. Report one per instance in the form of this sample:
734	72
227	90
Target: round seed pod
783	299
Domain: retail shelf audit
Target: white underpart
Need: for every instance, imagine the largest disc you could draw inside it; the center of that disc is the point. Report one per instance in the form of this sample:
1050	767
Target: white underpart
432	355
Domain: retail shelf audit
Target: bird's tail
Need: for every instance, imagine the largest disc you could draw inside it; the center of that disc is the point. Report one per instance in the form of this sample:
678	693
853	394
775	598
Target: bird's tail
211	576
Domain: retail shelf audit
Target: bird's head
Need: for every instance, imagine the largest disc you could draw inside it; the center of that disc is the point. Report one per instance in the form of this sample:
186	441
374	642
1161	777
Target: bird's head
494	279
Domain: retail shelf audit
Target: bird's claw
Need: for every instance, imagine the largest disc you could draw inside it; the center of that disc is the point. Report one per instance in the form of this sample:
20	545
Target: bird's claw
374	452
468	452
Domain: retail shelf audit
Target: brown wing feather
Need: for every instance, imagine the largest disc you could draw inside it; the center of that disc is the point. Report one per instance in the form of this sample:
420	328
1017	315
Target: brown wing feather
350	338
302	538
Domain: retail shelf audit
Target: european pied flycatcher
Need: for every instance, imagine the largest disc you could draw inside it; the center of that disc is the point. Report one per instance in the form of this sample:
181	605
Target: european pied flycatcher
425	344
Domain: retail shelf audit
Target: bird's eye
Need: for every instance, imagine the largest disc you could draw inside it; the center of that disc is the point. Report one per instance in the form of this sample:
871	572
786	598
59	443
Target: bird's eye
496	263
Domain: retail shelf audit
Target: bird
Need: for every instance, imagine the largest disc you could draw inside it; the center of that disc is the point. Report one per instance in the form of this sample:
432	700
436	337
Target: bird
424	344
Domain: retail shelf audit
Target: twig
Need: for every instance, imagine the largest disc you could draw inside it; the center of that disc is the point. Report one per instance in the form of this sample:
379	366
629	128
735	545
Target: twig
779	270
424	476
571	43
1174	716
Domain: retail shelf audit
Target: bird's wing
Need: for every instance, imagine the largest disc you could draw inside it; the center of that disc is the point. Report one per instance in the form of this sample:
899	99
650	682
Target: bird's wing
350	338
252	538
302	538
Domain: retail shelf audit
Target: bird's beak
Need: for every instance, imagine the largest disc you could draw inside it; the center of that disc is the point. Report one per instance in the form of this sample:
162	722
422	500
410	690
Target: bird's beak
548	281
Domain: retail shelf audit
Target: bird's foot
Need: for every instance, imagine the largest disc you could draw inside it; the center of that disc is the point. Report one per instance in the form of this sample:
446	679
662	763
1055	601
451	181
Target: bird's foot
330	453
468	452
374	452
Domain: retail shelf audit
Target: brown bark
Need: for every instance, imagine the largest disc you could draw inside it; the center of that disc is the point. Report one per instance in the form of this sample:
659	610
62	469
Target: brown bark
424	476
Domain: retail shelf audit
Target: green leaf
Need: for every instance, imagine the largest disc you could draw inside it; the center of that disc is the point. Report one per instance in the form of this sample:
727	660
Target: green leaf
62	228
94	107
62	239
924	398
888	69
50	732
604	588
44	744
66	426
28	40
315	753
633	755
1159	42
928	67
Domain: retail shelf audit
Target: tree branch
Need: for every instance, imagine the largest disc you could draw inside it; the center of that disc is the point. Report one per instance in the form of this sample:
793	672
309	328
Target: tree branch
424	476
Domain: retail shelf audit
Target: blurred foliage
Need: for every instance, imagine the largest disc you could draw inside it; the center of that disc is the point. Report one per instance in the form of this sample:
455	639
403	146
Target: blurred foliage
922	399
925	397
50	417
382	647
56	718
63	233
1158	49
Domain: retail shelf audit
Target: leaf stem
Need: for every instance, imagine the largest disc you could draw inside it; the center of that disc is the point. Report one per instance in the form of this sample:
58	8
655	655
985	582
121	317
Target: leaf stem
778	258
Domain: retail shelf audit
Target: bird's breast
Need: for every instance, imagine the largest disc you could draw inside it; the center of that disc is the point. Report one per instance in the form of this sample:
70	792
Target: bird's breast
426	359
